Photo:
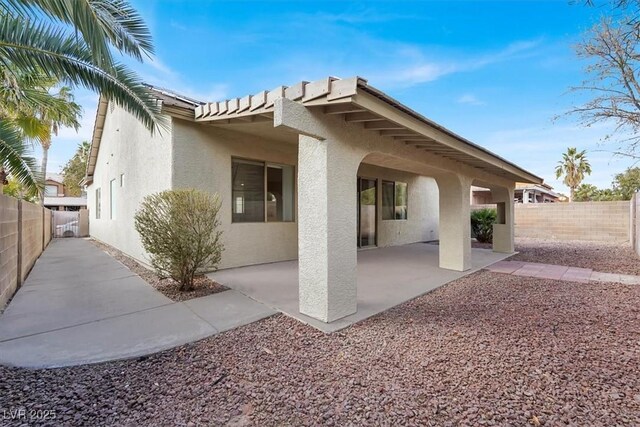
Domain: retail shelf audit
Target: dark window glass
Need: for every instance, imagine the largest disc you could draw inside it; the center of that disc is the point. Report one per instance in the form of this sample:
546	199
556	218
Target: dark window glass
401	200
280	193
388	206
248	191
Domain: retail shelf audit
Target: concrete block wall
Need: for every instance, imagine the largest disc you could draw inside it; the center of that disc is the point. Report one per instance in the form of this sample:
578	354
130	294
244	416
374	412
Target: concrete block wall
8	248
634	228
597	221
25	230
47	227
32	236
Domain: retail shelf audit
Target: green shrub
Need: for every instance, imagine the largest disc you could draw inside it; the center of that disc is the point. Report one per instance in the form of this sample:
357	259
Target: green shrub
179	230
482	221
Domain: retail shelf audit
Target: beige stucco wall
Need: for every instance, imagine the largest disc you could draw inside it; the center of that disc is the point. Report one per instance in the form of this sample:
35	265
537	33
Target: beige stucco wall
8	248
422	207
603	221
127	148
202	159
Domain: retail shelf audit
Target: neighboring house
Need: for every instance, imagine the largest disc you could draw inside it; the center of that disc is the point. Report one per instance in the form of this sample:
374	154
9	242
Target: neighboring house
524	193
309	172
56	197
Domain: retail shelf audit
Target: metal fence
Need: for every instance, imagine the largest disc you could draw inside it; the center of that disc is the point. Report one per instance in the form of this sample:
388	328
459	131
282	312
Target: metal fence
66	223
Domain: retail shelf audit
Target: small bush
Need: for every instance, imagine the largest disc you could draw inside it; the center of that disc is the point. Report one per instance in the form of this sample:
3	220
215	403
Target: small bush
179	229
482	221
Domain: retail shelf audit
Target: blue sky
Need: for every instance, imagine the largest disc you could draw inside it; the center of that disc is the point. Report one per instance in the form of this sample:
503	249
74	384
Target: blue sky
495	72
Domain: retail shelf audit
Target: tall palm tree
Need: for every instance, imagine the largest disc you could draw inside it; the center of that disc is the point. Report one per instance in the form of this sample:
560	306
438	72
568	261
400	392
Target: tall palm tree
70	41
574	165
66	115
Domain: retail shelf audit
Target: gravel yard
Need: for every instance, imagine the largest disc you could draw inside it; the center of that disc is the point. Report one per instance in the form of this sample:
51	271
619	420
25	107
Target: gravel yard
487	349
599	256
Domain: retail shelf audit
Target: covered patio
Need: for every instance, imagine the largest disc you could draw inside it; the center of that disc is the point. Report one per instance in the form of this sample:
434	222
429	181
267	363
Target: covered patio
342	128
386	277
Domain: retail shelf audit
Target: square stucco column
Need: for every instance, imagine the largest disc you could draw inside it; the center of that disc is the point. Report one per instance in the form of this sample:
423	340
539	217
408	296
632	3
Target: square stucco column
327	209
455	222
503	230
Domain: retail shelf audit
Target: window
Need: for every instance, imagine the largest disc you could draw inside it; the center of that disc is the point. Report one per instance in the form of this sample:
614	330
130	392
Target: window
112	199
394	200
121	180
262	192
51	190
280	193
98	205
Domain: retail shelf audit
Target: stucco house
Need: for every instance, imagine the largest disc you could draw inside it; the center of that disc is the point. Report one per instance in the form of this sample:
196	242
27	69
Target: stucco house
314	172
524	193
57	198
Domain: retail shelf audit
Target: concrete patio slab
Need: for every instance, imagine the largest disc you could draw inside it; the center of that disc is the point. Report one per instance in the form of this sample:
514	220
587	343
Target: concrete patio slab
229	309
131	335
35	310
386	277
79	305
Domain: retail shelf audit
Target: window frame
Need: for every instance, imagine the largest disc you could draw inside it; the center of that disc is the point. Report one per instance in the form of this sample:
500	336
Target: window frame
112	198
265	167
49	186
98	195
395	206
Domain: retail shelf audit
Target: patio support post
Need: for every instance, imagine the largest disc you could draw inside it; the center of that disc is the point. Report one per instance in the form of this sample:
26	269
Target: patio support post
503	230
455	223
327	209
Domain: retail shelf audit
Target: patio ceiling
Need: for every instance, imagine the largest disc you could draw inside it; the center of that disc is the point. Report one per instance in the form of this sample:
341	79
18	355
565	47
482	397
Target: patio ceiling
359	103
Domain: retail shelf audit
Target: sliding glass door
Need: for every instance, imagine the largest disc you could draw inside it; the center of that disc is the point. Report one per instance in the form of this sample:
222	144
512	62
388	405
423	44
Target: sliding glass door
367	207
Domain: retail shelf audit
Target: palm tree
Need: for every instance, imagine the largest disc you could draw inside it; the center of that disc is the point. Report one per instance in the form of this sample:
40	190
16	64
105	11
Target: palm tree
70	42
37	113
574	165
51	120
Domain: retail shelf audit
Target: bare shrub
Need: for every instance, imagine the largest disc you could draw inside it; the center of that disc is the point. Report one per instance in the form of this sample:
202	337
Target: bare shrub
179	230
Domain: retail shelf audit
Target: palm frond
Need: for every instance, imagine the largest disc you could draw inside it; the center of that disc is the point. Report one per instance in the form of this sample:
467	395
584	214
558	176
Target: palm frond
100	22
30	45
15	157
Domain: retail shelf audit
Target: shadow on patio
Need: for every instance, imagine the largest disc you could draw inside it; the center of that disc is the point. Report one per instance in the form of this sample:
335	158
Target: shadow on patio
386	277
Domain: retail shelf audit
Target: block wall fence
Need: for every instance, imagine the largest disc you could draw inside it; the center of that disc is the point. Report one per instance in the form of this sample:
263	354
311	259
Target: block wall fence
25	231
595	221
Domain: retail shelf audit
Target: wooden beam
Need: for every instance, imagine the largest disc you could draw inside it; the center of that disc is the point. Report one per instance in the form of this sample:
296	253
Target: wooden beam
413	138
362	117
405	132
382	126
343	109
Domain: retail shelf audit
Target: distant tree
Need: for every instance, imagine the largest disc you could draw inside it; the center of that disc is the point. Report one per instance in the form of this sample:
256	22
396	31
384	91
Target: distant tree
573	166
611	49
75	169
627	183
586	193
15	188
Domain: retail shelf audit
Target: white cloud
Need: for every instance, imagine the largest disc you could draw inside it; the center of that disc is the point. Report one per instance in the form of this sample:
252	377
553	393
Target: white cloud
470	99
419	66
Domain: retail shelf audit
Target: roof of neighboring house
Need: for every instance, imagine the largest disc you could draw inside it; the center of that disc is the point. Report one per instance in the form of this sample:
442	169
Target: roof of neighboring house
353	96
55	177
65	201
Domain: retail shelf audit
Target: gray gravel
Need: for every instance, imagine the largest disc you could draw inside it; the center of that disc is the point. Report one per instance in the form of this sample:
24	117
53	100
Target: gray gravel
599	256
488	349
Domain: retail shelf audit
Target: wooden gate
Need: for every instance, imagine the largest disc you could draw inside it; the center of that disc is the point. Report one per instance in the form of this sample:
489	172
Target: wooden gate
66	223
